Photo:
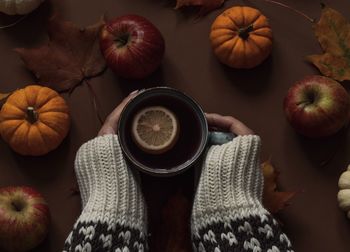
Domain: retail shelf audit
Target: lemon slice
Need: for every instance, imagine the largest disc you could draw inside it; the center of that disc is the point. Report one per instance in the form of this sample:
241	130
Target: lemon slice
155	129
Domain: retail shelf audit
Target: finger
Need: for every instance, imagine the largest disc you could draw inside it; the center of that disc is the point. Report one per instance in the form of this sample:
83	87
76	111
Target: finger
113	118
228	123
105	130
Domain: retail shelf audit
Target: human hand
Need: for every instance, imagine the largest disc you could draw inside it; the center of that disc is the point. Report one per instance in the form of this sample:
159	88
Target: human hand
227	123
110	125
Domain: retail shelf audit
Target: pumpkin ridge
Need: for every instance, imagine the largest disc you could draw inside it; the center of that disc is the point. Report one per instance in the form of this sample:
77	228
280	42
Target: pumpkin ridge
41	137
55	103
261	27
256	44
25	90
234	22
47	126
18	92
254	20
256	31
52	111
230	38
258	35
227	29
261	21
10	135
13	105
15	108
243	16
233	48
51	128
50	96
12	139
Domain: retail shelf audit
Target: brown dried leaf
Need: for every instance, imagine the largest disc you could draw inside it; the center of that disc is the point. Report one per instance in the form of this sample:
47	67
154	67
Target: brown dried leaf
273	200
71	55
4	96
333	34
205	5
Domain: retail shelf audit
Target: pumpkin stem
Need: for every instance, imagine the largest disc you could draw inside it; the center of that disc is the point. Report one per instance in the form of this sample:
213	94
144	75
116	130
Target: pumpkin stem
32	115
244	32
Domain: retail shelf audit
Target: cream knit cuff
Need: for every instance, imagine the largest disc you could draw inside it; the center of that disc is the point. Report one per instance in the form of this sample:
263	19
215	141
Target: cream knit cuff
231	182
108	188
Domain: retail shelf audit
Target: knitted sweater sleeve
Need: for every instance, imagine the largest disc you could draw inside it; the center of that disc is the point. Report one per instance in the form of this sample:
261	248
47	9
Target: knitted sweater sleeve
227	213
114	215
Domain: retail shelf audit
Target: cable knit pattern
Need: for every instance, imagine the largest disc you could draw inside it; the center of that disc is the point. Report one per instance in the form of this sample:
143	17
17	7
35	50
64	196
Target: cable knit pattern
114	214
227	213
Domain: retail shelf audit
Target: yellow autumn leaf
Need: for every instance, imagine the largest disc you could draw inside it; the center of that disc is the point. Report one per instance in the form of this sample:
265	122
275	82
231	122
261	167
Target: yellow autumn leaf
333	34
273	199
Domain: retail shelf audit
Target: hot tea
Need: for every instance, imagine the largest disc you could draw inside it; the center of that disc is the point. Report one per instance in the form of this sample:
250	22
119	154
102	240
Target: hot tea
189	139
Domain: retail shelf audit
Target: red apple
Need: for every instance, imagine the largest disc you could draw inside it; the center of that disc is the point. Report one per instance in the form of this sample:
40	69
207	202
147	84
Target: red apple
24	218
132	46
317	106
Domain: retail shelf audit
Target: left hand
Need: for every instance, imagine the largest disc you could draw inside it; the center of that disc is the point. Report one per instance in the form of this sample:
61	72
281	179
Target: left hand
110	125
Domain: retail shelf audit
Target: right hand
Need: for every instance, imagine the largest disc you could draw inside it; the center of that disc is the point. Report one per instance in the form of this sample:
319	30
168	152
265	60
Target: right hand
227	123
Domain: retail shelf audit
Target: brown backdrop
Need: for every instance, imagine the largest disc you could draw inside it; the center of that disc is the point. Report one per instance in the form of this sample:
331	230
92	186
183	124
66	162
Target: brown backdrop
313	221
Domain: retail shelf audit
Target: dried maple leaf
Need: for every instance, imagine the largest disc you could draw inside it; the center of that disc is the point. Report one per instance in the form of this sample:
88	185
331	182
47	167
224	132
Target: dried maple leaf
4	96
71	55
333	34
205	5
273	200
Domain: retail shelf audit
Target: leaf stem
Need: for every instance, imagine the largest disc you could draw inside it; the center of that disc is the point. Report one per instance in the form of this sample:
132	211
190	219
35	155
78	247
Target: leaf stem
312	20
14	23
94	100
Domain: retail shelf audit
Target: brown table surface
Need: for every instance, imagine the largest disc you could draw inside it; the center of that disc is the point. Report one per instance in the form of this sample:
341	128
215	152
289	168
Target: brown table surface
313	221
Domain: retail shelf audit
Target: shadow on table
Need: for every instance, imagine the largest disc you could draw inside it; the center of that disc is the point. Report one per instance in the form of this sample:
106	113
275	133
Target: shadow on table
326	154
292	226
253	81
41	169
32	29
154	80
343	226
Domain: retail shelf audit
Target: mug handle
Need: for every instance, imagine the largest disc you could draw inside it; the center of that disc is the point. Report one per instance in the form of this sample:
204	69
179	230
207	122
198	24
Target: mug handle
214	138
219	138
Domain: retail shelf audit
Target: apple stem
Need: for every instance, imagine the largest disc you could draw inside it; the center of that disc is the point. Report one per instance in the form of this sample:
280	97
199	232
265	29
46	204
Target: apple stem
32	115
122	40
311	97
16	206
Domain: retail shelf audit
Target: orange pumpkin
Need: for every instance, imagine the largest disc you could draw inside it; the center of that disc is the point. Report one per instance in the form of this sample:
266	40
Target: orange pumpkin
241	37
34	120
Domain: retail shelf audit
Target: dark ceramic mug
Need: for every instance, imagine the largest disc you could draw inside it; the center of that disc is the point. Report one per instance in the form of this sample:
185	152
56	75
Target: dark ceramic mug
193	139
